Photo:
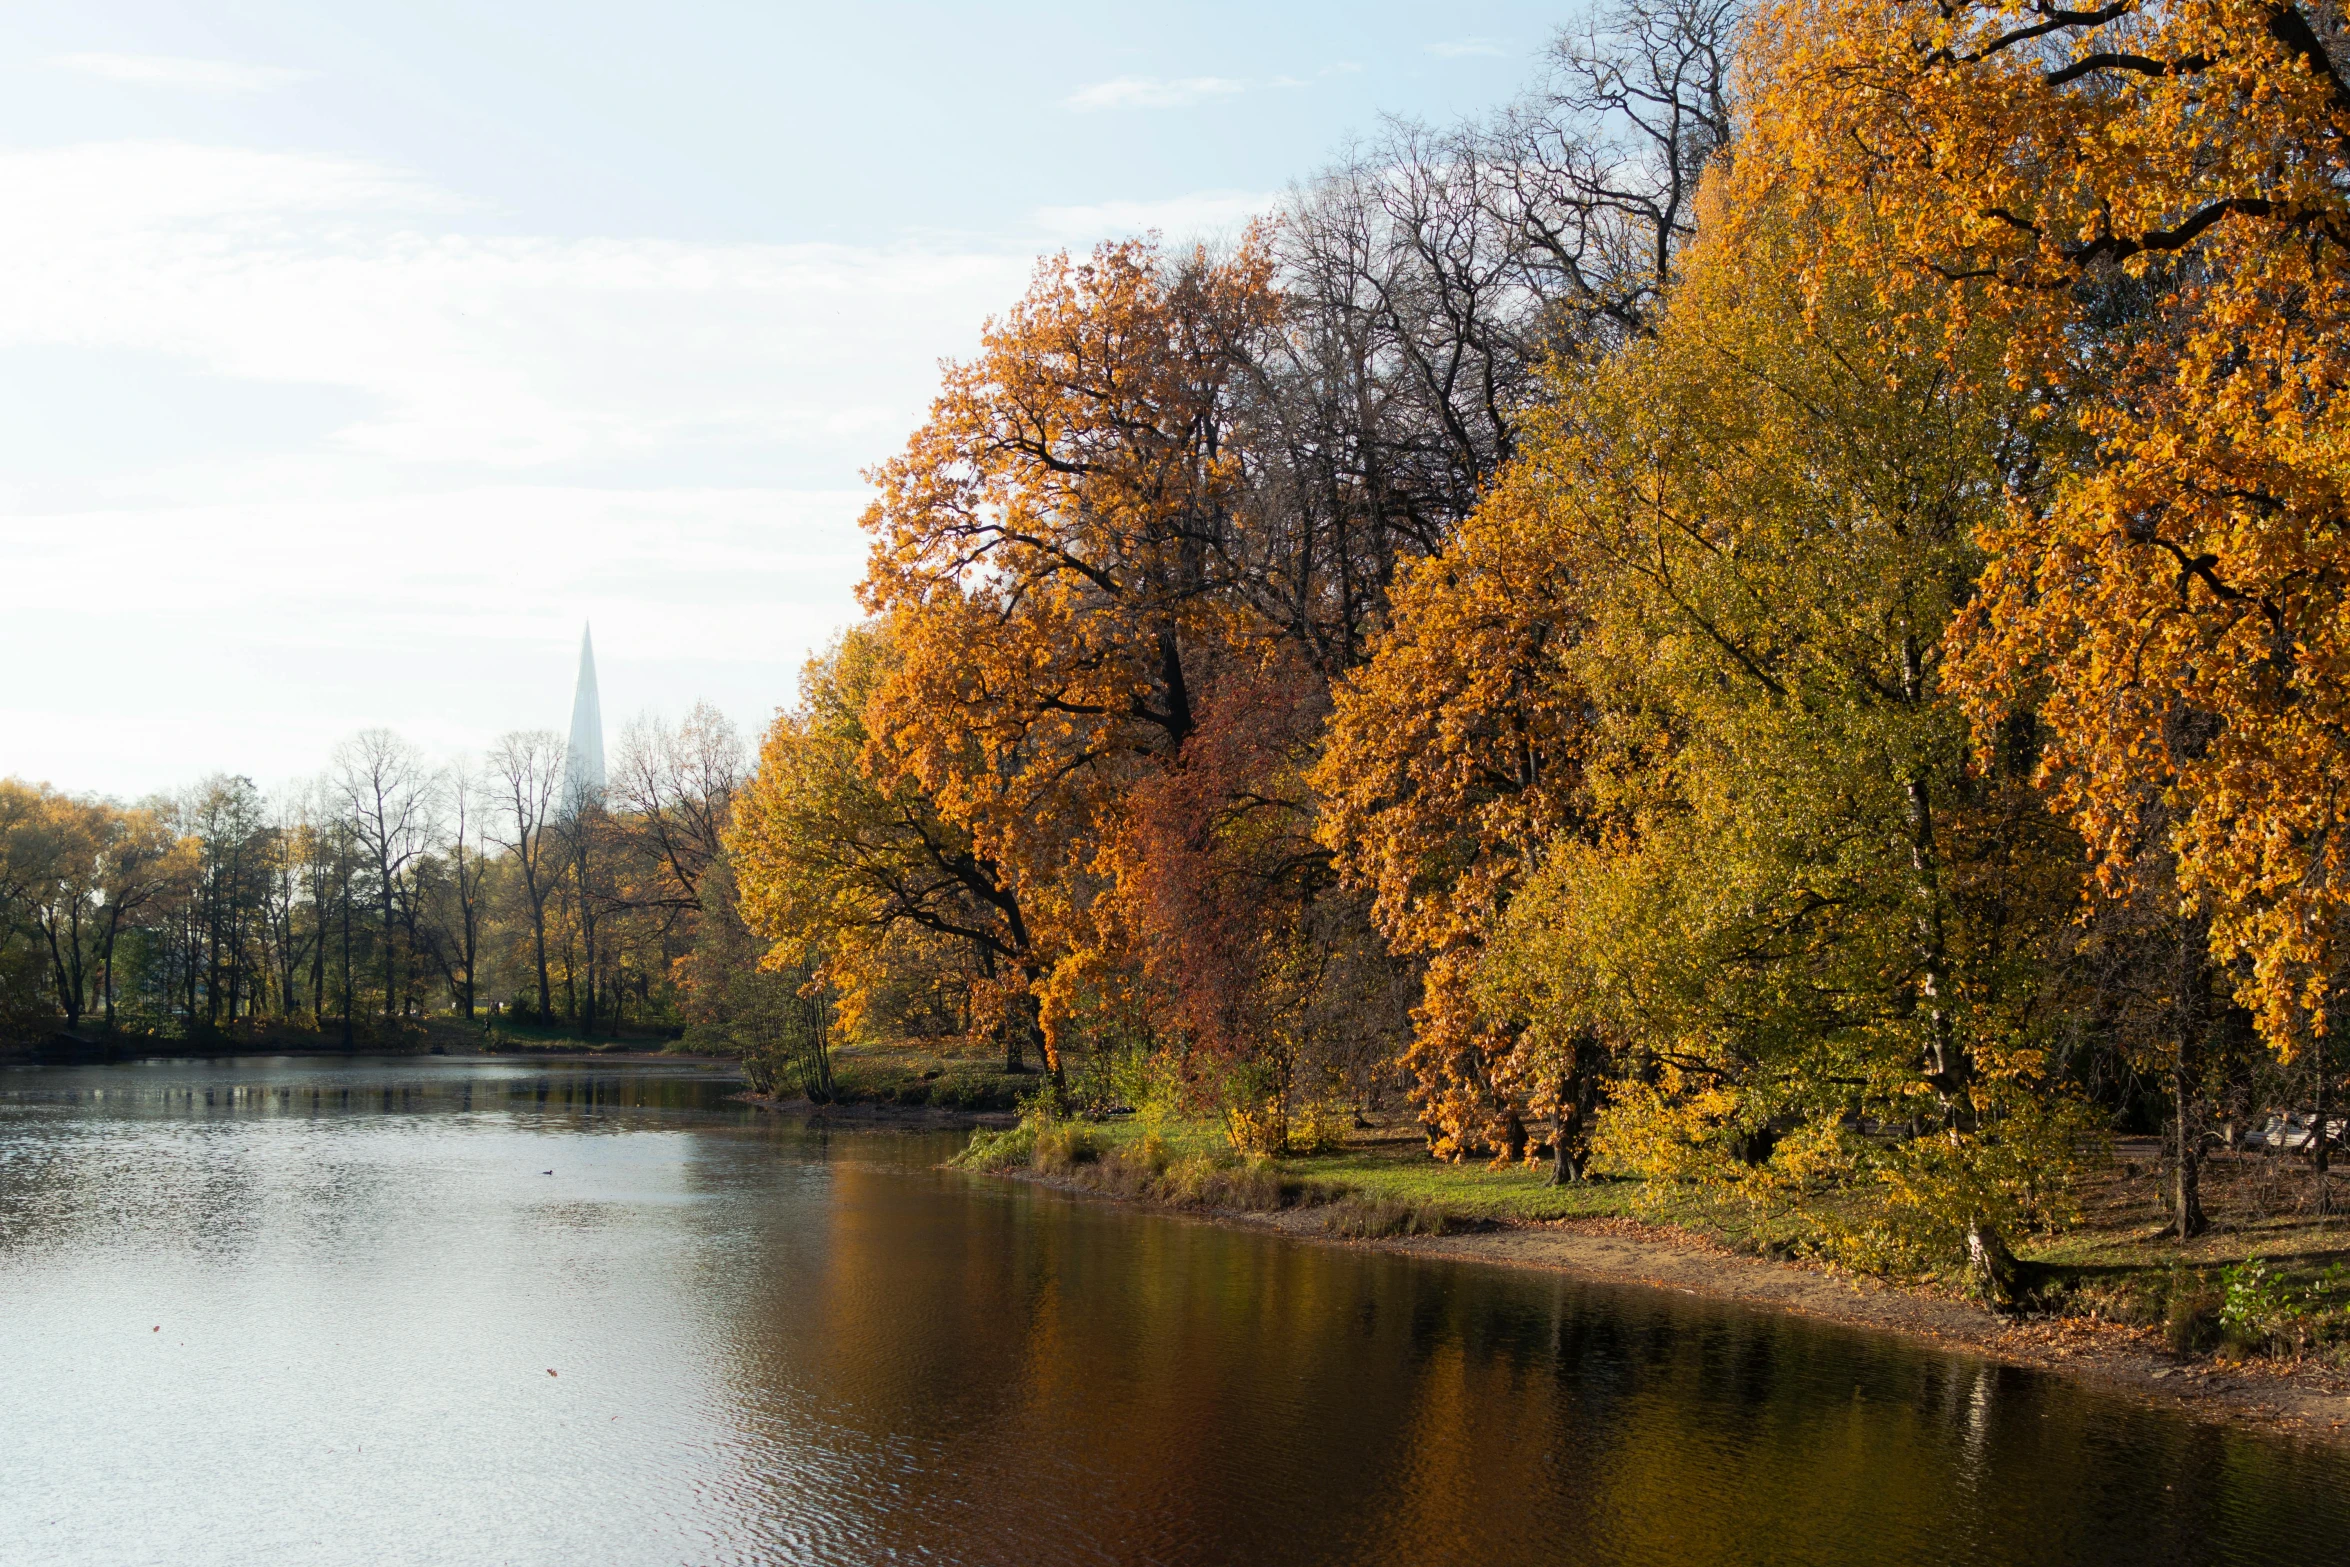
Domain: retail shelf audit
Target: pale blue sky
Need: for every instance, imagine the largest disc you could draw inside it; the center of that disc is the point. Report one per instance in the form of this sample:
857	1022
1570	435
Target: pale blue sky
350	355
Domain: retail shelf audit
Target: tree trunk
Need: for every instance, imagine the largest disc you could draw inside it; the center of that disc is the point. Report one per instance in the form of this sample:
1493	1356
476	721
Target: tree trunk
1015	1058
69	984
538	930
2188	1021
1025	1020
2187	1161
472	942
347	1000
389	986
1991	1267
318	961
817	1066
587	930
1566	1159
2322	1198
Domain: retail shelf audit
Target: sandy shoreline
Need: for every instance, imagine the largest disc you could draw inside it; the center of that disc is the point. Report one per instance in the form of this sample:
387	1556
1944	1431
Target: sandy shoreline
2275	1398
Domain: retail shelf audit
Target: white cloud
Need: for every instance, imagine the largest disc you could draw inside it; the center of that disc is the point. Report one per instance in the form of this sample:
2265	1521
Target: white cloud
64	195
1151	92
163	70
514	352
457	445
509	433
1460	48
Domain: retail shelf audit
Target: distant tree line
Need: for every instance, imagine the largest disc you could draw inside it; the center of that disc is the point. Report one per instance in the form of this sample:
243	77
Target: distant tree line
382	892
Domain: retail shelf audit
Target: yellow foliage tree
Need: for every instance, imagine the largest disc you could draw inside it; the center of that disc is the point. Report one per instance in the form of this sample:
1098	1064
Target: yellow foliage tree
2150	205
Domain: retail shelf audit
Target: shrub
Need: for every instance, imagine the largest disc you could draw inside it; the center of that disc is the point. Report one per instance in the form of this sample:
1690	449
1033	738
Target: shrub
1009	1149
1251	1185
1061	1146
958	1091
2190	1319
1148	1154
2262	1311
1320	1126
1371	1219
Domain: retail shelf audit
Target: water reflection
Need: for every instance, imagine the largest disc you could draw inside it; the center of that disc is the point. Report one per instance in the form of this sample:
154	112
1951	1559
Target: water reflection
776	1346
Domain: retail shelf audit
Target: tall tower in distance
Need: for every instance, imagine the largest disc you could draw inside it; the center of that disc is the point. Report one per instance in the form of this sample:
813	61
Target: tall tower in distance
583	759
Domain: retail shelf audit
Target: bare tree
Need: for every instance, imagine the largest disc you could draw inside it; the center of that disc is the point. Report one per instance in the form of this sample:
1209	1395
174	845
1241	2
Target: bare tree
1598	169
390	796
455	934
528	769
675	788
1432	274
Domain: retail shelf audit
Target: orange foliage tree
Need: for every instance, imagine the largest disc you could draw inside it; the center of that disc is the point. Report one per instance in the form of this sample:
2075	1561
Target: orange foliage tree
1055	548
2155	202
1452	756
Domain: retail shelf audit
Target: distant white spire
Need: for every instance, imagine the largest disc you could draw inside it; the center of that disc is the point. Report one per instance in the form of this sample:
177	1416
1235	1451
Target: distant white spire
583	761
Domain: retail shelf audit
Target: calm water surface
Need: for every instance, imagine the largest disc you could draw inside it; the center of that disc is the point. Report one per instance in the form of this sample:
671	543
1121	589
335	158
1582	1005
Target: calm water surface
303	1311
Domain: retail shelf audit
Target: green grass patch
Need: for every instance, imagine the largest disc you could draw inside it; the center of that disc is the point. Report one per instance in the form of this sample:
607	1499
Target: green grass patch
1402	1173
916	1077
1373	1189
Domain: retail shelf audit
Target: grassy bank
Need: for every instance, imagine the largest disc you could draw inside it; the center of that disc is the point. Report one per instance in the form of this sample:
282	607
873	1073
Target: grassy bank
2269	1282
913	1077
1381	1182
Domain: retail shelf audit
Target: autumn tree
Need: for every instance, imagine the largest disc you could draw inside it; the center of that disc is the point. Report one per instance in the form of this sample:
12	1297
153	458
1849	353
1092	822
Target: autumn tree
142	865
60	848
1243	944
1452	757
2150	202
843	862
1055	549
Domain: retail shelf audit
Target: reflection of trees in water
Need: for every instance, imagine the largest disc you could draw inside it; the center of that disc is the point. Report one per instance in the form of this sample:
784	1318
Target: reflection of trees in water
327	1087
862	1357
1001	1376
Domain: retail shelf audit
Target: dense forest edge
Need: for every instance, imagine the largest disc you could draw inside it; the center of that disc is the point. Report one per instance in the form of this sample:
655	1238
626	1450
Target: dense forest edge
1754	640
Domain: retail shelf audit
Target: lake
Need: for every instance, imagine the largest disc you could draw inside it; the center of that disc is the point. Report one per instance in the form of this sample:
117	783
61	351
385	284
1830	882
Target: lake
443	1311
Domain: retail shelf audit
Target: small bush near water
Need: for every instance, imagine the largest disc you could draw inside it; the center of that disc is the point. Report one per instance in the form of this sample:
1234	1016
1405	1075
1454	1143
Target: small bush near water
1061	1146
1009	1149
1365	1219
2256	1307
2264	1310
